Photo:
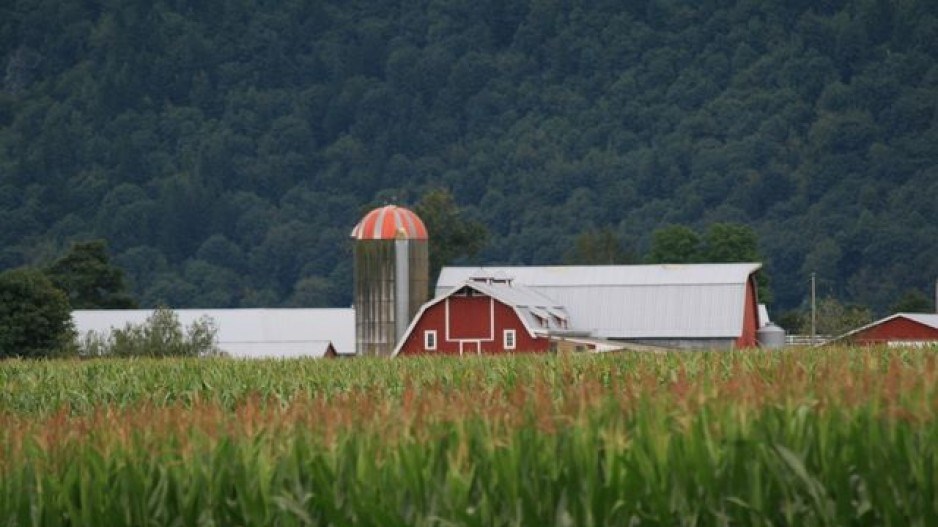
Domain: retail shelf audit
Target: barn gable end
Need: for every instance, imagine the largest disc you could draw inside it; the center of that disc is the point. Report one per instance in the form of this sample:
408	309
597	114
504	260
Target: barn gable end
483	318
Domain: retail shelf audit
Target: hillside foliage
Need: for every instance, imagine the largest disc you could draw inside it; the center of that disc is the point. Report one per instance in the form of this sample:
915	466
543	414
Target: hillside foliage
225	149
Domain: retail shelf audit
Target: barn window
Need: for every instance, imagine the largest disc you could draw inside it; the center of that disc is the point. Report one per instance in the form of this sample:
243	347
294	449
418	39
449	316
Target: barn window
509	339
429	339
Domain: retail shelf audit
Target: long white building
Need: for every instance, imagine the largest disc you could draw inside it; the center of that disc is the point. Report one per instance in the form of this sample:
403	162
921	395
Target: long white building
247	333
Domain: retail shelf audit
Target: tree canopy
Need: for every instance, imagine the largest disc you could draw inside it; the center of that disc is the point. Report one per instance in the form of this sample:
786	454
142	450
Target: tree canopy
452	235
88	278
35	318
224	150
599	247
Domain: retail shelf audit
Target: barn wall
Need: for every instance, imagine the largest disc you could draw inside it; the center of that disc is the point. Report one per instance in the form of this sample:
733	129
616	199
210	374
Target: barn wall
747	339
895	330
472	319
468	314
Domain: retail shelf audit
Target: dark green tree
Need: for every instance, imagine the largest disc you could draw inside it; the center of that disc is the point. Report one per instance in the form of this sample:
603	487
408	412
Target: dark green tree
730	242
913	301
35	318
598	247
88	278
452	234
674	244
722	243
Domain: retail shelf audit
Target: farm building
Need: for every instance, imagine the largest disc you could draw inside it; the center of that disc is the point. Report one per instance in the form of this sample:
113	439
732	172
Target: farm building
391	277
901	329
672	306
489	309
488	315
248	333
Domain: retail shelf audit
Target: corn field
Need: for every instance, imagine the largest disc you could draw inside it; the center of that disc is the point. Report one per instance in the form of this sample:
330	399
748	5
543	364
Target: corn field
834	437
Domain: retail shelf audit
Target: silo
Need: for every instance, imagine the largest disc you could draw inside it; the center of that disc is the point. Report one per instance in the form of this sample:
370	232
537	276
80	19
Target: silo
771	337
391	277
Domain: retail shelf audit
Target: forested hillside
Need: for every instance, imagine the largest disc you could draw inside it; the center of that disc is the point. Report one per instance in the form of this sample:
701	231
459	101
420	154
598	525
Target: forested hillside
226	149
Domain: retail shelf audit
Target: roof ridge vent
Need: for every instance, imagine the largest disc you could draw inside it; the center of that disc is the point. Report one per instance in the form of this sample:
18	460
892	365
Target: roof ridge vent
486	276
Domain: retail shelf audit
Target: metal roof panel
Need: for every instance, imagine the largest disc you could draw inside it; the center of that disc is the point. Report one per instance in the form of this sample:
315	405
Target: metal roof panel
637	301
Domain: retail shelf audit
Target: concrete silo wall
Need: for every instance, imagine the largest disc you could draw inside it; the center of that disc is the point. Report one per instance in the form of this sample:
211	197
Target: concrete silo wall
391	283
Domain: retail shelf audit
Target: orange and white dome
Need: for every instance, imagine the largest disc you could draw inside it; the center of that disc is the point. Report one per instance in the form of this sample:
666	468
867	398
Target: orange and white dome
390	223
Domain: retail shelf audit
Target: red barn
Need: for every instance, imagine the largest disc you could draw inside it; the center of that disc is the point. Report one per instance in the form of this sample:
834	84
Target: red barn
901	329
486	316
686	306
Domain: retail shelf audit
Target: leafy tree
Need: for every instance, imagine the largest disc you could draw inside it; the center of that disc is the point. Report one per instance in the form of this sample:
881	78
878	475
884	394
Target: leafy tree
722	243
35	318
598	247
793	321
729	242
674	244
88	278
162	335
913	301
452	234
835	318
312	291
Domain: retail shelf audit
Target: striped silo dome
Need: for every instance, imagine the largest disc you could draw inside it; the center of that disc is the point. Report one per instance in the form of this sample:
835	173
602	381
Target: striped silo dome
389	223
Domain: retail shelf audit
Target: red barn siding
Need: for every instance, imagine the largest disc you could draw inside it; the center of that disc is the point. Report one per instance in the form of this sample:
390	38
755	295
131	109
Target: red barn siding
474	318
747	339
471	320
897	329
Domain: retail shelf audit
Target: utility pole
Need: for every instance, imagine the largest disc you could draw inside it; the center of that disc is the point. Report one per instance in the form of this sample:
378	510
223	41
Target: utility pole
813	308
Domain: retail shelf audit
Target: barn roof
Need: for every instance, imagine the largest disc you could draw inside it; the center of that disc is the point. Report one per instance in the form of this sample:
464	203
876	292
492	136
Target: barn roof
636	301
925	319
528	303
251	333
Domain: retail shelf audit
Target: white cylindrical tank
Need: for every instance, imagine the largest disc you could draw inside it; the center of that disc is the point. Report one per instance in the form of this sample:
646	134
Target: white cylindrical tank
771	336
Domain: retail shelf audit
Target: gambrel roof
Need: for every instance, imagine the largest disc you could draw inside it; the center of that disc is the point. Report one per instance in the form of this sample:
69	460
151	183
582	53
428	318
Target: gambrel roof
540	315
635	301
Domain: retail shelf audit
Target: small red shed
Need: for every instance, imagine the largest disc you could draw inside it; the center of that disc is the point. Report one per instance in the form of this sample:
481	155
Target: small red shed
901	329
485	316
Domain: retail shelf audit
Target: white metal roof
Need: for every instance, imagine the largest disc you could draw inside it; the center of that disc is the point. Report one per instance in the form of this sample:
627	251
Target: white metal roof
926	319
259	332
528	303
636	301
